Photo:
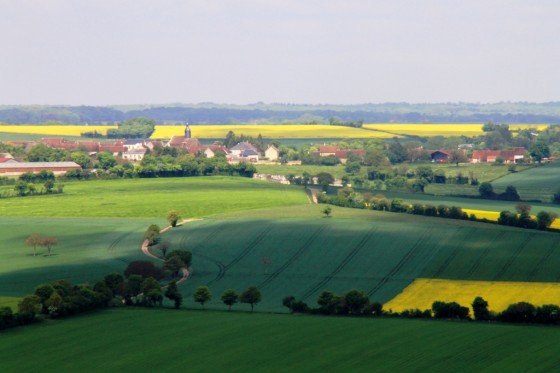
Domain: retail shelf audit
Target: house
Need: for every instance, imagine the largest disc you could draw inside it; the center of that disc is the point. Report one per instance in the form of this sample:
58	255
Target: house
326	150
185	142
243	146
212	150
134	144
440	156
5	157
14	168
113	149
134	155
272	153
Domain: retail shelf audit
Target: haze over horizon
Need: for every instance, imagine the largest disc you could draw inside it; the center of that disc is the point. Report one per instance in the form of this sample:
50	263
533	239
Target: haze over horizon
301	52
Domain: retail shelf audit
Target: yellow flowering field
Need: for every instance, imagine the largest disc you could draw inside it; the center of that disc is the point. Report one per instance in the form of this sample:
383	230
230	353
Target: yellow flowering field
449	129
288	131
499	294
54	130
493	215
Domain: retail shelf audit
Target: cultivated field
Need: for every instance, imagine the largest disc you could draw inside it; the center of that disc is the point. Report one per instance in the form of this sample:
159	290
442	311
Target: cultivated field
167	340
499	294
69	130
450	129
274	131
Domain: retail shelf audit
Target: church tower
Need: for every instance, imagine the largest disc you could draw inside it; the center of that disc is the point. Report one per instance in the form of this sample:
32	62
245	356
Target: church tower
187	132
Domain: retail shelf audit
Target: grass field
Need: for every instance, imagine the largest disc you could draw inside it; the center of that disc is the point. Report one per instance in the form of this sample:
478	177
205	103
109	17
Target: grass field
499	294
135	198
136	340
538	183
69	130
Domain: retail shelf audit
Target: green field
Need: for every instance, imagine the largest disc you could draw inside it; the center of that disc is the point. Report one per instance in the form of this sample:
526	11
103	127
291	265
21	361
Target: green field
134	198
378	252
298	170
538	183
138	340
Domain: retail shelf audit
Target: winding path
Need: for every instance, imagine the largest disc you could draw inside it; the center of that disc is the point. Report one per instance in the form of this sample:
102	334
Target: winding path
145	250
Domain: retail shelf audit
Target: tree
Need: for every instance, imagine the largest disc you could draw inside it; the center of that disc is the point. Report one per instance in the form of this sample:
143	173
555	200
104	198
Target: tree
510	194
251	295
173	217
202	295
49	185
28	307
327	211
48	242
457	156
328	302
324	179
184	255
230	297
151	292
172	293
545	219
355	300
288	302
539	150
33	240
143	268
486	190
21	188
152	234
173	264
163	247
114	281
480	309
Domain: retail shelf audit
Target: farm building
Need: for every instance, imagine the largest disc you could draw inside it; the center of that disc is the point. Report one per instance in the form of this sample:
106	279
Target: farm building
14	168
272	153
439	156
134	155
212	150
490	156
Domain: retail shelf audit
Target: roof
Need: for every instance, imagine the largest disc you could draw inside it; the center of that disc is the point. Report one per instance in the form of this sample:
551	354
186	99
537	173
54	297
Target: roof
328	149
271	146
32	165
249	152
244	145
134	141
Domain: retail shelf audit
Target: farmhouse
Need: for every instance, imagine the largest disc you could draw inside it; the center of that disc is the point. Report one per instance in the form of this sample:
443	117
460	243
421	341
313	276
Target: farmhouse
212	150
272	153
440	156
490	156
134	155
14	168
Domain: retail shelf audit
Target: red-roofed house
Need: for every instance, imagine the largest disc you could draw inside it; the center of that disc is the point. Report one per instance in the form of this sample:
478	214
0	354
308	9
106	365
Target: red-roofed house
490	156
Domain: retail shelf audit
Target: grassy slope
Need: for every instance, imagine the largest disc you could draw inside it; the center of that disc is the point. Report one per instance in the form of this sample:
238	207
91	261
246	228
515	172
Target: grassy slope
378	252
165	340
193	197
534	184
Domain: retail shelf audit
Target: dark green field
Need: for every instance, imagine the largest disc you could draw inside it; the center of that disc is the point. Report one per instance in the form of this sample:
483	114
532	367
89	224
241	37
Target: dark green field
142	340
378	252
539	183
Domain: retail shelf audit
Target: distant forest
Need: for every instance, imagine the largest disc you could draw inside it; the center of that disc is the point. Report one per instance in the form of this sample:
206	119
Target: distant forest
260	113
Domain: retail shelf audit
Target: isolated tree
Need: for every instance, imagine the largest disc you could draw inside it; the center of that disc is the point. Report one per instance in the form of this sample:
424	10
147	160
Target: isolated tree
230	297
172	293
48	242
33	240
327	211
202	294
152	234
457	156
480	309
173	217
251	295
486	190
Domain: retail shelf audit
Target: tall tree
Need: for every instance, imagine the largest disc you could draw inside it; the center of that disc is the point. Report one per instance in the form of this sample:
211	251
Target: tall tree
230	297
173	294
173	217
49	242
33	240
480	309
202	294
252	296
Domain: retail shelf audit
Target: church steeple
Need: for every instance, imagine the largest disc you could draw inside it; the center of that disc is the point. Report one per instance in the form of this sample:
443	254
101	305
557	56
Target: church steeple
187	132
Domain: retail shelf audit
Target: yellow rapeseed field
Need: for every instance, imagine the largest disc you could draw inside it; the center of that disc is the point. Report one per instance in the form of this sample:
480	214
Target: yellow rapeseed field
287	131
493	216
448	129
54	130
499	294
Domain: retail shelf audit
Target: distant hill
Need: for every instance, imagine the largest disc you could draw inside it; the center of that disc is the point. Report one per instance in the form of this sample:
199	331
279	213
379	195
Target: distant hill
209	113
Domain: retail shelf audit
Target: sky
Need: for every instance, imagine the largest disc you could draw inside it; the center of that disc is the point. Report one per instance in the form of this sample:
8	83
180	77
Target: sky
116	52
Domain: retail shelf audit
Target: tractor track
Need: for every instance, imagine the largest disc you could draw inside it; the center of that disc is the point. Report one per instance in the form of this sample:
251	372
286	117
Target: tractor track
294	257
341	265
482	257
411	253
511	259
531	275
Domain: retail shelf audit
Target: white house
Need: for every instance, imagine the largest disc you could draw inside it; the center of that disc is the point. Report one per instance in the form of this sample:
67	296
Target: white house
272	153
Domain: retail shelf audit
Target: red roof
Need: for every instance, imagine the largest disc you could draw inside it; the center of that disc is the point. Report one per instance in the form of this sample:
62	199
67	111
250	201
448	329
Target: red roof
328	149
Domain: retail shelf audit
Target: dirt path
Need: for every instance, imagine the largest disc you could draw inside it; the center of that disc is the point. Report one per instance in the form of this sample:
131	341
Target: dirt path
146	251
314	192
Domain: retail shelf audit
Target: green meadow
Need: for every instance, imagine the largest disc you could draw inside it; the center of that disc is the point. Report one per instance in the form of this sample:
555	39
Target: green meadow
538	183
133	340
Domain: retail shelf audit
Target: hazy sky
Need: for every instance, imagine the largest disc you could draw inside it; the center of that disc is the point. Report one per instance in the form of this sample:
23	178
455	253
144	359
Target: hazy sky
97	52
